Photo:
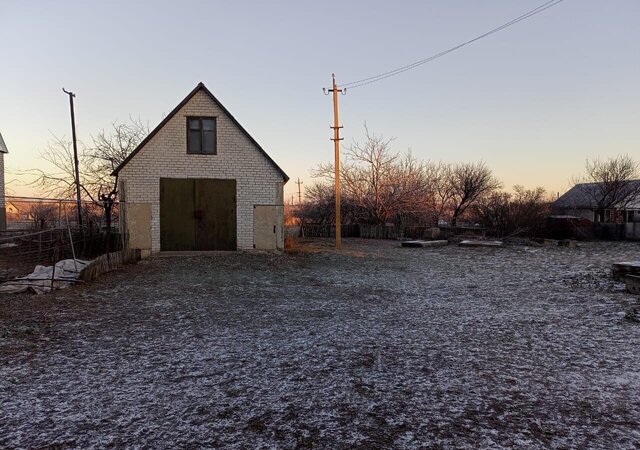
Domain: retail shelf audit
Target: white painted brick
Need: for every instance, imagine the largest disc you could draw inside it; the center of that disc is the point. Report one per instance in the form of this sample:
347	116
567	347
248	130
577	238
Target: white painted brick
2	204
165	156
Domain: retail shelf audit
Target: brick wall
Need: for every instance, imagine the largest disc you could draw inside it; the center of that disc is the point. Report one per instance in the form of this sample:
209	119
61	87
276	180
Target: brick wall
3	214
165	156
2	180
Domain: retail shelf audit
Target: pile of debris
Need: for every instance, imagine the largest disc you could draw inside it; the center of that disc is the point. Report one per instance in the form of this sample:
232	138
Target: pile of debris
46	278
628	273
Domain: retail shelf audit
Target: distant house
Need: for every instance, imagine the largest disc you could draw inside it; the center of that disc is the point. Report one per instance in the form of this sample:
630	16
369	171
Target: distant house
579	201
199	181
3	212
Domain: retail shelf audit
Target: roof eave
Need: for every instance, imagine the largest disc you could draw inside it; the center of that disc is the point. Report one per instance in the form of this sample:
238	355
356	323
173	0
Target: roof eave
3	146
175	111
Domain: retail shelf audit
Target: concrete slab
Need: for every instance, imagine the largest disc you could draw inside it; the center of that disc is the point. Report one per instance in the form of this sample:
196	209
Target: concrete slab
620	270
571	243
633	284
182	254
419	243
473	243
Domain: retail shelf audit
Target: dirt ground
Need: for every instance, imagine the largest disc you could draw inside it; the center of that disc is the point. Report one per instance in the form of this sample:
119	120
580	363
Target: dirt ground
375	347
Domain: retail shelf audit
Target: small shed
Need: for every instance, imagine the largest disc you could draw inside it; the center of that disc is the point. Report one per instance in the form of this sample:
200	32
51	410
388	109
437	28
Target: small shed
3	205
200	182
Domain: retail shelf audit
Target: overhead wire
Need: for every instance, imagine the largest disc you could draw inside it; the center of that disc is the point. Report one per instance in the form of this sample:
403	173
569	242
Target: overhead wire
399	70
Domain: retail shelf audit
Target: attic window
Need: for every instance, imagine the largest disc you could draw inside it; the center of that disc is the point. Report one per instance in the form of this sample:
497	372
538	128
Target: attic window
201	135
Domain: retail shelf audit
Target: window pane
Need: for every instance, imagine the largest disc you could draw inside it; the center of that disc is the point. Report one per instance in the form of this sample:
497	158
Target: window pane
209	124
194	142
209	142
194	124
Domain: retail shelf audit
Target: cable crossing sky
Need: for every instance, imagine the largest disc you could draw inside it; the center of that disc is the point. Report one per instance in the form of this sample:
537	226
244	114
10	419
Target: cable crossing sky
399	70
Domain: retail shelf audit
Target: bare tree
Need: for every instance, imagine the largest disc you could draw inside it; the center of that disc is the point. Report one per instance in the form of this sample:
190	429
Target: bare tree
443	193
613	183
469	182
379	184
59	180
383	186
365	175
110	148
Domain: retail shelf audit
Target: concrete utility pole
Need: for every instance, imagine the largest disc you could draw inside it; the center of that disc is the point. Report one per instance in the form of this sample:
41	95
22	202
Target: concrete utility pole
336	142
75	154
299	183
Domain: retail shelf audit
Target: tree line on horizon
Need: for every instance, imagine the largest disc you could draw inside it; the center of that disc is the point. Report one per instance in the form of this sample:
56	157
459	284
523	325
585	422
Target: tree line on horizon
379	185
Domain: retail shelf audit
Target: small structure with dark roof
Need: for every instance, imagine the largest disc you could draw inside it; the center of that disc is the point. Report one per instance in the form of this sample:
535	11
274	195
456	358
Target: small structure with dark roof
199	181
580	201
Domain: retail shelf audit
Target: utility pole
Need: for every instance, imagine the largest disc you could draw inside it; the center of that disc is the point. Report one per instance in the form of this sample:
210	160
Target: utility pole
75	155
299	183
336	142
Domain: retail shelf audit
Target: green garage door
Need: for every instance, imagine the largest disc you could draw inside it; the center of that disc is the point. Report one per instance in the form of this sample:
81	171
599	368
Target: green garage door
197	214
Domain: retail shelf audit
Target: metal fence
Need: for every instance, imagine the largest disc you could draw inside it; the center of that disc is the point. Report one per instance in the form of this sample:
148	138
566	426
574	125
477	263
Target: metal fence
33	213
369	231
22	251
617	231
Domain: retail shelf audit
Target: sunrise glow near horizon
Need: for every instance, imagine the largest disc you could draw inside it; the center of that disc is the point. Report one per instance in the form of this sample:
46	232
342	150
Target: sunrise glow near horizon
532	102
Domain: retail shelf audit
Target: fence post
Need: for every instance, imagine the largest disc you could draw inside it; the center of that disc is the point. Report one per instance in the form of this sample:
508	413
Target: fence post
73	250
56	250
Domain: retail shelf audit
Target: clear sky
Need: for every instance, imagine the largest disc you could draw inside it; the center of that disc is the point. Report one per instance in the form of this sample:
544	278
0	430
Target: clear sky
532	101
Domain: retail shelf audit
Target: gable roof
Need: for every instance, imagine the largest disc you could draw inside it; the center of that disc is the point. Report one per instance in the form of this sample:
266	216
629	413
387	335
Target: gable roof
581	197
3	146
175	110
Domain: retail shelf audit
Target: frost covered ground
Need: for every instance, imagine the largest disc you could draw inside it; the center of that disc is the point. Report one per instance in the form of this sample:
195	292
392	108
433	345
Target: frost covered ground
378	347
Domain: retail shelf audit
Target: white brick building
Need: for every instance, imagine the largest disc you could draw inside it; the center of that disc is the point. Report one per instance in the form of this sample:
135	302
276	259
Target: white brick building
199	181
3	211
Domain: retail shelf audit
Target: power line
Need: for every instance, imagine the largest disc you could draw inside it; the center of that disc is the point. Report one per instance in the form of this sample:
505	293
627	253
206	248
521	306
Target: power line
382	76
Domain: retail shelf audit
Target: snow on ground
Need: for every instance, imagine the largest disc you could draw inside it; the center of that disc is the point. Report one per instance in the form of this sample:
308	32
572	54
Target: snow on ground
378	347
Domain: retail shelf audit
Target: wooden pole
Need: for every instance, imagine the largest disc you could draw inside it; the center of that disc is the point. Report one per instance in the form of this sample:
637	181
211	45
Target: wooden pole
336	143
299	183
75	155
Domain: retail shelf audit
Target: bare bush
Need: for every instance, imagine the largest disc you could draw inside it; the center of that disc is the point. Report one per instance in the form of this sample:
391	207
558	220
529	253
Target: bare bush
319	204
41	214
522	212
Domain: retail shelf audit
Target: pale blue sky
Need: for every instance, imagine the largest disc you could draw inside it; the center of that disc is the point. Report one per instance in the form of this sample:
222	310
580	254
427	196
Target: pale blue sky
532	101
